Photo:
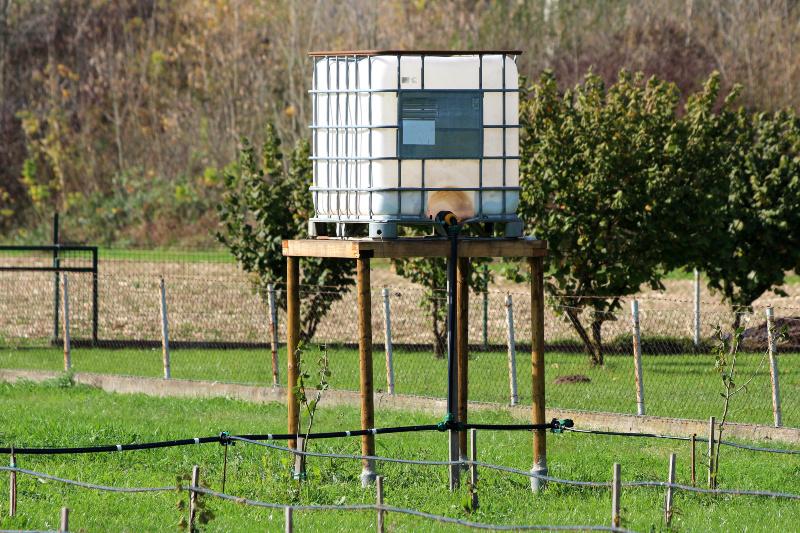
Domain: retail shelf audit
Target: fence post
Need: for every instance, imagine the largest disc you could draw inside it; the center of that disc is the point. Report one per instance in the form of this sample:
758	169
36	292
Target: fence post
365	368
538	372
668	498
512	350
637	358
473	468
56	291
486	308
273	330
387	323
288	520
773	369
616	487
379	501
711	474
694	440
696	308
12	486
64	520
193	497
65	321
164	330
300	460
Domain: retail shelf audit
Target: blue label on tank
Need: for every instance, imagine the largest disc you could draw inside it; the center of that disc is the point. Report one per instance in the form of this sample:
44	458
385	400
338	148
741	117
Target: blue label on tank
419	131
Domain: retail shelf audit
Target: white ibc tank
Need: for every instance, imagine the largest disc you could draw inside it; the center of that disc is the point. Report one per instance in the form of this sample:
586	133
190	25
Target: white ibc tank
399	136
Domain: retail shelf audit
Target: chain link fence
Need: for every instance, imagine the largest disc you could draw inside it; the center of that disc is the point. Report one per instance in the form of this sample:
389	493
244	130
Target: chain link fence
219	329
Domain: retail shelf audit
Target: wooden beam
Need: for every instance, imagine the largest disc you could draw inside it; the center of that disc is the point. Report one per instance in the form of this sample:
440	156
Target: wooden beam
365	368
292	341
537	369
413	247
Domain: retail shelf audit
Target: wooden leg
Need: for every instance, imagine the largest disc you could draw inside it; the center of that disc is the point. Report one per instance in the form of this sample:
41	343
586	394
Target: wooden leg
537	371
462	321
365	360
292	340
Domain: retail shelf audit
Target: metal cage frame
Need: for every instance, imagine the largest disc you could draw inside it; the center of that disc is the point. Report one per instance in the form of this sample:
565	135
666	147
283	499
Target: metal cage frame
385	226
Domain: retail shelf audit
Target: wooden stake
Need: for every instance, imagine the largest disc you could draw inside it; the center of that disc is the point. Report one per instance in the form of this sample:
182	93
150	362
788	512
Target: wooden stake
668	498
64	528
288	520
637	358
387	323
616	487
292	342
694	475
462	346
537	371
473	468
773	369
512	350
12	486
365	367
711	470
273	330
164	330
65	322
379	501
193	498
300	460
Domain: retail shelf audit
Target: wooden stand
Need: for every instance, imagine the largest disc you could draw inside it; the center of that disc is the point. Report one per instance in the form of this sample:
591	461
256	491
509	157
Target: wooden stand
362	250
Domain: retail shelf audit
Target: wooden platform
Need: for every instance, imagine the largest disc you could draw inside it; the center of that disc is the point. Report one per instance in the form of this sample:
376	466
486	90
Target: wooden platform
413	247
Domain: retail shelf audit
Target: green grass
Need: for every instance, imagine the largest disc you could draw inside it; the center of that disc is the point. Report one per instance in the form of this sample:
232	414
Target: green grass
166	255
50	415
682	386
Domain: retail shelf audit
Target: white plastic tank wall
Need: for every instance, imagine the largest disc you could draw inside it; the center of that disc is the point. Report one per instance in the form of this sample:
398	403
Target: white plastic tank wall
359	174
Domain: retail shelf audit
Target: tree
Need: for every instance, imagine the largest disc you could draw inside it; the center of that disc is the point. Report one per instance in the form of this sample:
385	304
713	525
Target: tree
757	227
266	202
595	164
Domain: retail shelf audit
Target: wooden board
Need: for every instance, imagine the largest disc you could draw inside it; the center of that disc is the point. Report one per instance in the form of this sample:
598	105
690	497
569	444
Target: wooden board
413	247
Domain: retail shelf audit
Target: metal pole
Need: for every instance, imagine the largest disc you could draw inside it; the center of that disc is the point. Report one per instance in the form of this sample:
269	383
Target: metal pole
637	358
273	329
288	520
379	502
56	291
462	346
711	471
64	528
537	372
486	308
387	323
67	344
473	468
512	350
452	393
668	498
696	308
773	369
95	304
616	487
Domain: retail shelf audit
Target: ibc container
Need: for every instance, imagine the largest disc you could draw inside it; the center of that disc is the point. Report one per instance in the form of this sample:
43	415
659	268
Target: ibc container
398	136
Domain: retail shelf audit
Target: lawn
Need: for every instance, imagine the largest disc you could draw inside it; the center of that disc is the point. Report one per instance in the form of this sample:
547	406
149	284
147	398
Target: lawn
58	414
682	386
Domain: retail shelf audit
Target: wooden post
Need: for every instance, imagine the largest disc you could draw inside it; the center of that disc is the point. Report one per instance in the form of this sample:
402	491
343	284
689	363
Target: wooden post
473	468
512	350
711	471
12	486
637	358
292	342
65	322
387	326
273	330
64	527
379	501
365	370
537	371
694	475
696	308
462	346
288	519
193	498
773	369
164	330
616	487
668	498
300	460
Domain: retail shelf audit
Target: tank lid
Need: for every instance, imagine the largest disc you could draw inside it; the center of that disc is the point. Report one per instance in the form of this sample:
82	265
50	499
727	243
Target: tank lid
351	53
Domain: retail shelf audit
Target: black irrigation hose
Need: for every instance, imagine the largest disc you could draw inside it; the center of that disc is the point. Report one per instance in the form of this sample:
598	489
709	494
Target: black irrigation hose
225	439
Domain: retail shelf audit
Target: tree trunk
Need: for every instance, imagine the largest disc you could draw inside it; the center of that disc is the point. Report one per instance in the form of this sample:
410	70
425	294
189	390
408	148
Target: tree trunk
593	348
597	342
